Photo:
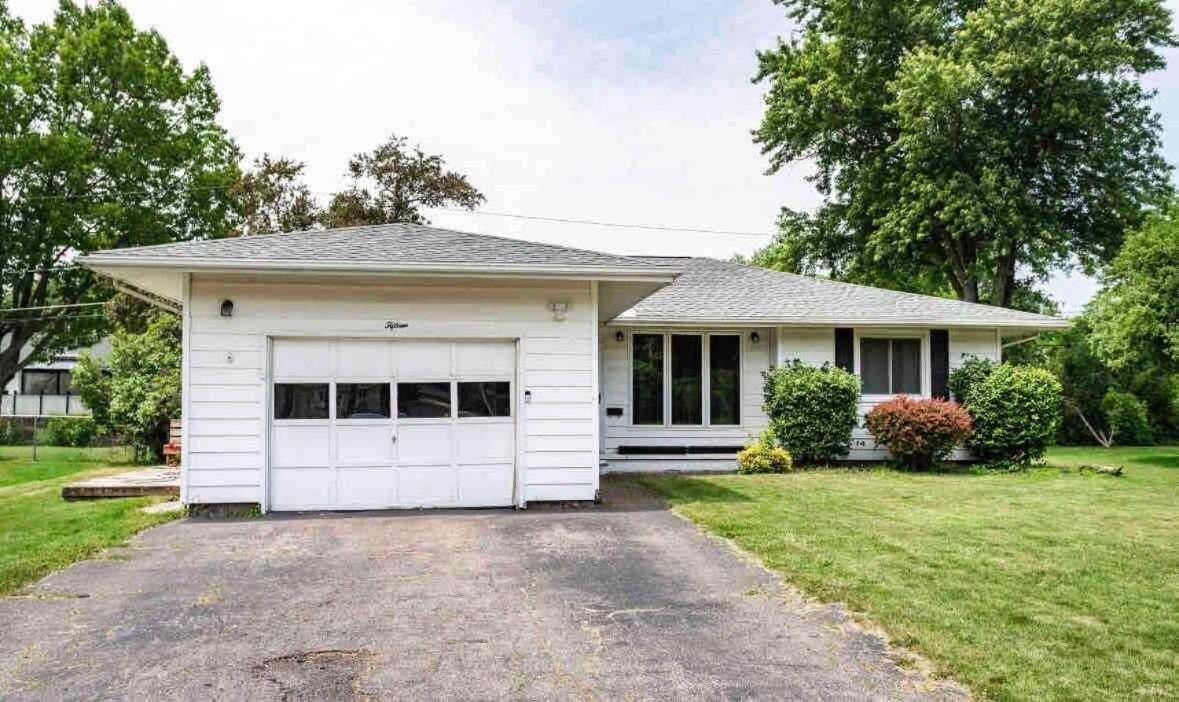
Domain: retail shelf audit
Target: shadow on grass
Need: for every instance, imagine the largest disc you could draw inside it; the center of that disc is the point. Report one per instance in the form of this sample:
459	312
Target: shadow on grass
687	488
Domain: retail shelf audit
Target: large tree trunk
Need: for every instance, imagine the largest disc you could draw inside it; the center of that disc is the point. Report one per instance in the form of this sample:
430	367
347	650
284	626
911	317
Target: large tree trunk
11	362
1003	283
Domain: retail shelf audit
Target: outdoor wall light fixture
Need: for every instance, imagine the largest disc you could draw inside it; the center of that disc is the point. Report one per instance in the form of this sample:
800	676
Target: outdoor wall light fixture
755	337
559	310
227	308
619	337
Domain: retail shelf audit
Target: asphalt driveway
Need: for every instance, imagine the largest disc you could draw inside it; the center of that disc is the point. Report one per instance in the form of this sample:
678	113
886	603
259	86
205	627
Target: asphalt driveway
623	601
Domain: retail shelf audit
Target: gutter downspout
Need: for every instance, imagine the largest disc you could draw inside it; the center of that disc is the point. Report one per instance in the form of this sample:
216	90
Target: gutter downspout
1024	340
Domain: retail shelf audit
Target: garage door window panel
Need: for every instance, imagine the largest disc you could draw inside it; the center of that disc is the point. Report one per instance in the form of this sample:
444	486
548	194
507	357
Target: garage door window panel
484	399
362	401
301	401
423	400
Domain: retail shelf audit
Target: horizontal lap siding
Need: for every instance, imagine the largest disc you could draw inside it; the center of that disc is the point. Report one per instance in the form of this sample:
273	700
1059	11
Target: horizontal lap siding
963	344
227	393
813	346
615	382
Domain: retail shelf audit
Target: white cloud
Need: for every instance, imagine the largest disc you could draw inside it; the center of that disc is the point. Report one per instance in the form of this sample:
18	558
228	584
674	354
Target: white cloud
605	111
546	117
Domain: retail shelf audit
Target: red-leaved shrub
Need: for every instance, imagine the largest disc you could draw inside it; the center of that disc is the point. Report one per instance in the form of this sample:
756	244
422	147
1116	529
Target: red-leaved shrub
918	433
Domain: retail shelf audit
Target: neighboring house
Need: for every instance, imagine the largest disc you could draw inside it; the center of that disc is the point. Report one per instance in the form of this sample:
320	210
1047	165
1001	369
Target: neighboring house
45	388
408	366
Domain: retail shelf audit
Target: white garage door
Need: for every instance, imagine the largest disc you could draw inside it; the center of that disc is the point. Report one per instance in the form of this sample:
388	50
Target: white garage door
380	424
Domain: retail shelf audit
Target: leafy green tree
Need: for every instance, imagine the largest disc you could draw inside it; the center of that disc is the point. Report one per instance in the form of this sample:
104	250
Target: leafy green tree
105	141
1087	379
273	198
958	142
393	182
1135	317
136	390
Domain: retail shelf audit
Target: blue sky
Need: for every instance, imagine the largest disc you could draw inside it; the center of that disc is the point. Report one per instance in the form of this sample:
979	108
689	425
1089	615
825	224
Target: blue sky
633	112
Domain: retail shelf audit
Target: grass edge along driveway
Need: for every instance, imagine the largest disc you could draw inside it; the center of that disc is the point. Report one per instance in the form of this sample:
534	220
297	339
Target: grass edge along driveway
1049	584
40	532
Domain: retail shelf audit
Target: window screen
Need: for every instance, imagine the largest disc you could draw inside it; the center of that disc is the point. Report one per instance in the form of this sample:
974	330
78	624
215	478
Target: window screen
687	379
41	382
300	400
362	400
485	399
423	400
647	378
874	366
724	379
890	366
906	366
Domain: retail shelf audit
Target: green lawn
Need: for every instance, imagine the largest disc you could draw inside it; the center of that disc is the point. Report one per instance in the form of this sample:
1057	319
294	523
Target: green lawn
1050	584
39	531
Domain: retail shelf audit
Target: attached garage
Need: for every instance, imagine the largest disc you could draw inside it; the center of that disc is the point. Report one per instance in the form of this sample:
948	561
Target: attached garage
394	366
364	424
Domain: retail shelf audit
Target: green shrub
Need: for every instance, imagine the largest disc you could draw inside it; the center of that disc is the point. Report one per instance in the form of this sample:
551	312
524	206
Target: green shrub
918	433
1127	419
812	410
70	431
764	458
12	433
1016	410
965	377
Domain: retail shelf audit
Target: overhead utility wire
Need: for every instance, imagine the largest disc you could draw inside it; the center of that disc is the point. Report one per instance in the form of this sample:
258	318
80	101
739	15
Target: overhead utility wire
7	320
54	307
510	215
596	223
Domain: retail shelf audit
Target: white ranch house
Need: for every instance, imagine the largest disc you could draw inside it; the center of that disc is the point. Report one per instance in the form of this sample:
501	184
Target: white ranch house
405	366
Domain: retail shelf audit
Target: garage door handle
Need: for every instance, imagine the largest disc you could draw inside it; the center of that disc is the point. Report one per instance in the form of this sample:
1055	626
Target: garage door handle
394	438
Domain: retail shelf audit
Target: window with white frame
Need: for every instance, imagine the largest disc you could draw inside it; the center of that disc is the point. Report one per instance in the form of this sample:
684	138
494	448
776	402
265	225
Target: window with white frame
890	366
686	379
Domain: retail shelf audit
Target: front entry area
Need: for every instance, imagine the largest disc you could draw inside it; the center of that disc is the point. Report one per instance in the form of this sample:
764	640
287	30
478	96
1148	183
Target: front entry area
374	424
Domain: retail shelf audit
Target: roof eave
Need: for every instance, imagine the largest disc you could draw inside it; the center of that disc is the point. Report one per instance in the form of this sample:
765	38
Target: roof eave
227	265
1046	324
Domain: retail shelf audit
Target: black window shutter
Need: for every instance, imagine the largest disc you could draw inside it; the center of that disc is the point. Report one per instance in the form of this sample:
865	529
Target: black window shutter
845	352
939	362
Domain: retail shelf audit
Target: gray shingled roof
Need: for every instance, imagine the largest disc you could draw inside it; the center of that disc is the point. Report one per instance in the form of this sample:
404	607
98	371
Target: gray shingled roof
711	291
392	244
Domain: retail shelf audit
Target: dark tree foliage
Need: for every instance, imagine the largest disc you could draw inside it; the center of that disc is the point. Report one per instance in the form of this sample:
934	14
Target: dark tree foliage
393	182
273	198
958	142
105	141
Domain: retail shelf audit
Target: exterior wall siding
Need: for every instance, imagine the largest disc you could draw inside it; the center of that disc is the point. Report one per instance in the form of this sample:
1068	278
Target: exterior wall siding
812	345
619	431
226	388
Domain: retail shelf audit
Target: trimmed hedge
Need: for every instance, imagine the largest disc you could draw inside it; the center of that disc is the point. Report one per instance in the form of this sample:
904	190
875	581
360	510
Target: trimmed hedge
1016	410
918	433
812	410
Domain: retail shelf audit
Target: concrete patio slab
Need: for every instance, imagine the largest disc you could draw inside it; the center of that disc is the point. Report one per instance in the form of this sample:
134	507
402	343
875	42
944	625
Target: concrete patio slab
135	483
